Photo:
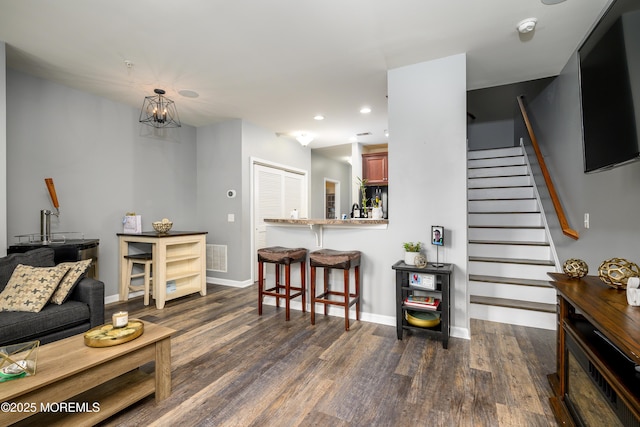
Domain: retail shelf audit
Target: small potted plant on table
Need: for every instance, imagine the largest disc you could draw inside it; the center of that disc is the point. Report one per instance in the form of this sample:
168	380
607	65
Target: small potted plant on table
411	249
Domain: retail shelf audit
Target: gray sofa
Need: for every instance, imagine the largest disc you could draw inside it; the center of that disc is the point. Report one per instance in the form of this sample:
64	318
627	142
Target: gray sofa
83	310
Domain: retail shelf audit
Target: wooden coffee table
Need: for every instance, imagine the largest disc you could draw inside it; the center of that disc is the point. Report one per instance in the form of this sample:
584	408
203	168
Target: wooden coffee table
106	379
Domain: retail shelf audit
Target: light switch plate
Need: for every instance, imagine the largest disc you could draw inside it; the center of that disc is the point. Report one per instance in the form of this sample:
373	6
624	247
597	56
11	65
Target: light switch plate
231	218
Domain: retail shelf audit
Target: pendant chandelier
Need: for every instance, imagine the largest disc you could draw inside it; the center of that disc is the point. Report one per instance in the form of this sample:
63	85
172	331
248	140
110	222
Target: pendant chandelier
159	111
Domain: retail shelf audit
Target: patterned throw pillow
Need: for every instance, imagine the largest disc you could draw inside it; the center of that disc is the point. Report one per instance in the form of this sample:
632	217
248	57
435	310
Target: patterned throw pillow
30	288
70	280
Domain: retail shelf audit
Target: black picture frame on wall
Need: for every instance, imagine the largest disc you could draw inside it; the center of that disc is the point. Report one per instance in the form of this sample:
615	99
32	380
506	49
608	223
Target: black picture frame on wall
437	235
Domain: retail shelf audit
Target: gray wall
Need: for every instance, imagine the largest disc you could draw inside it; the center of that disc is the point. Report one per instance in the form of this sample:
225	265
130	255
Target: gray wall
612	198
225	151
219	151
323	167
100	165
494	134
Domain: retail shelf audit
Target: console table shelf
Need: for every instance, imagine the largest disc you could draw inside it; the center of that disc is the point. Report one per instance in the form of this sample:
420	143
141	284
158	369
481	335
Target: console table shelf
440	277
598	352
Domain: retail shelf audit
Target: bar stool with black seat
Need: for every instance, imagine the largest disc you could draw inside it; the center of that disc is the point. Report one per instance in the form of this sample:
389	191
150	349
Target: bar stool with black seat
343	260
281	256
144	260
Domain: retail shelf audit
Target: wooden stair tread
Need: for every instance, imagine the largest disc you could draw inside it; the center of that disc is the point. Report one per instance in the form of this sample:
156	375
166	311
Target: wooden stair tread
528	227
504	176
512	303
512	260
510	280
495	166
501	187
495	199
504	212
508	242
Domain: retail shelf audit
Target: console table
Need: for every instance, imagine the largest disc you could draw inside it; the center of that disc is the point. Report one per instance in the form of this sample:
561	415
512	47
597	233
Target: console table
598	350
178	256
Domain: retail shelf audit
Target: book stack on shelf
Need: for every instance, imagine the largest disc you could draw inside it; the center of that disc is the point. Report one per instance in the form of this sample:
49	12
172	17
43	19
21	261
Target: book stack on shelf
424	302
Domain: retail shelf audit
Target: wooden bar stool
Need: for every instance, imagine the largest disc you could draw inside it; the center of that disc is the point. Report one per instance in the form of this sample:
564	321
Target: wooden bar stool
280	256
144	260
343	260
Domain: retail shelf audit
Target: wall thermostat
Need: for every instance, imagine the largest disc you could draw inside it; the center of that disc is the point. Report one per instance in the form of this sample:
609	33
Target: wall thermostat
231	194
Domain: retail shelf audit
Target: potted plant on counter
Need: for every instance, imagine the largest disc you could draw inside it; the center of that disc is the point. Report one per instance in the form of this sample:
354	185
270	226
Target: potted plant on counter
362	183
411	249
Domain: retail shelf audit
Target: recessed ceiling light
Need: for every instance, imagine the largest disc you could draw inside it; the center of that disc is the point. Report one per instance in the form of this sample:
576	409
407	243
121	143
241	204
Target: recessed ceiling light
549	2
365	110
527	25
318	117
188	93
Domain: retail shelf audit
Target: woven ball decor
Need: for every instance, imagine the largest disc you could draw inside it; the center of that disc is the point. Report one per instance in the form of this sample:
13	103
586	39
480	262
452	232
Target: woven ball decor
576	268
615	272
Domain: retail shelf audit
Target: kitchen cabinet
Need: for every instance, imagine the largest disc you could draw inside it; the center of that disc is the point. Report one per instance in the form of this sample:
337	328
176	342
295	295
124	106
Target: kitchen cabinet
178	264
427	281
375	168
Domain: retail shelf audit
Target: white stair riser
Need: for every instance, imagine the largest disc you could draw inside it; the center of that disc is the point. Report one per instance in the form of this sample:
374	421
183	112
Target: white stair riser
510	251
527	205
534	319
501	171
498	152
515	292
518	219
498	161
505	181
508	234
527	271
501	193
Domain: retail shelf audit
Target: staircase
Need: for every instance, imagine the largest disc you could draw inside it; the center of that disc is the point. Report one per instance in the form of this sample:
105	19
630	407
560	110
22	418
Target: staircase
509	250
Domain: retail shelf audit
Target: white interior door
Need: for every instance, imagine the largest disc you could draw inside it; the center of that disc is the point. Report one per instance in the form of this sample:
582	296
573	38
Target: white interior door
276	192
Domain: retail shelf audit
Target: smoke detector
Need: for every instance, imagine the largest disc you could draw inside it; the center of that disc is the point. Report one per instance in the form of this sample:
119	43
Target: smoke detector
527	25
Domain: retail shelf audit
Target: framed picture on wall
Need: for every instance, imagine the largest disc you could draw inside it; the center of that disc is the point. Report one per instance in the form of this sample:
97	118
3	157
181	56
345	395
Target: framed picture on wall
437	235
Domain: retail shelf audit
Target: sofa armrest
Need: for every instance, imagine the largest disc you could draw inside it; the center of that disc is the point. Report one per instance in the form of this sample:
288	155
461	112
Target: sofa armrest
91	292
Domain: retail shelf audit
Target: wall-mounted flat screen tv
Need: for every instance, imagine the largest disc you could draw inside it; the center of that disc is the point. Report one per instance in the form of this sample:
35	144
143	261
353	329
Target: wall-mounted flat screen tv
609	65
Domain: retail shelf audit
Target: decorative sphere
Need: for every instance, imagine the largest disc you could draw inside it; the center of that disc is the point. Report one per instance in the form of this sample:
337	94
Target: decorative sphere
421	261
615	272
576	268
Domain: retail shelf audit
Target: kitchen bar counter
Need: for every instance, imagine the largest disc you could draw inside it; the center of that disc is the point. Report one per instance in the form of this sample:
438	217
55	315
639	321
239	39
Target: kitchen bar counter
341	222
318	225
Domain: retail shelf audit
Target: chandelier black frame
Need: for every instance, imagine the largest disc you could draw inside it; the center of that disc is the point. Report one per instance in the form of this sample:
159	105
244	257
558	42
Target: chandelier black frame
159	111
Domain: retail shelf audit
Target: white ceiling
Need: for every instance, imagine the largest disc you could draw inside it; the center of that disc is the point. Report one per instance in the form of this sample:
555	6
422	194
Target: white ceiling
277	63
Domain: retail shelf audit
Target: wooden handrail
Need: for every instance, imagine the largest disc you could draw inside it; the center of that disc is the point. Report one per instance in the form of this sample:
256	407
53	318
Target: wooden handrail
568	231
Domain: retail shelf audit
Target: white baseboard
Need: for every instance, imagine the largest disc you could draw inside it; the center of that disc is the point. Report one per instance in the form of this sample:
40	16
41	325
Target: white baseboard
232	283
297	305
365	317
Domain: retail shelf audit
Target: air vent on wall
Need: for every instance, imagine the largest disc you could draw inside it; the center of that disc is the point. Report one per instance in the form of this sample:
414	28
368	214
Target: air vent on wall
363	134
217	258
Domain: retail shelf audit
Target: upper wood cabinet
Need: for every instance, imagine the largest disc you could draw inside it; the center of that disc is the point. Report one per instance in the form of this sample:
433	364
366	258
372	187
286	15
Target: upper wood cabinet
375	168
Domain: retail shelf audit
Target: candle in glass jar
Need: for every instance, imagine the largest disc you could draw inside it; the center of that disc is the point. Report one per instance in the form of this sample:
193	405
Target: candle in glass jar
120	319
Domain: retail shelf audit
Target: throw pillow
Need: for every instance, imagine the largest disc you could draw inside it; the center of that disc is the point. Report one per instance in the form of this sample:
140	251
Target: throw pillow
70	280
30	288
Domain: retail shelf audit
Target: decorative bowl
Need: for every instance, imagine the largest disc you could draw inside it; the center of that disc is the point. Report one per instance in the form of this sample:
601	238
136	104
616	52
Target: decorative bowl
162	226
575	268
424	319
615	272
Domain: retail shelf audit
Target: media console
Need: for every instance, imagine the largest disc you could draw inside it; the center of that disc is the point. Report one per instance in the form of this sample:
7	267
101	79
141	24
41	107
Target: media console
598	353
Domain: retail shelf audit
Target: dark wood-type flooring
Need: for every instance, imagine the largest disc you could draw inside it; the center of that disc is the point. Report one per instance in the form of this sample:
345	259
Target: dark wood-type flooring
231	367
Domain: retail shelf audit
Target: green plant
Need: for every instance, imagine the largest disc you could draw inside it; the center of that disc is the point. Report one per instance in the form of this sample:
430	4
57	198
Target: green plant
362	183
412	247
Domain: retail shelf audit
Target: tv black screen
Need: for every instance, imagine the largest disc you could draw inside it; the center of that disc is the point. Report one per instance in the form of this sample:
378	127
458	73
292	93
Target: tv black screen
608	115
